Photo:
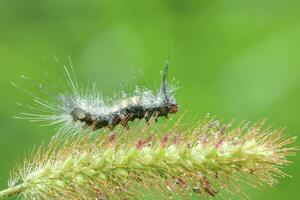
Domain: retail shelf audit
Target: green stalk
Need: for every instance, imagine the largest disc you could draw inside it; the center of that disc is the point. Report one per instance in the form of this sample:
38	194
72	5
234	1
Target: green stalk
16	190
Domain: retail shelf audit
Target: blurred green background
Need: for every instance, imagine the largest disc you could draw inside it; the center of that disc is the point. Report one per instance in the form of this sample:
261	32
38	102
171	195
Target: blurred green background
234	59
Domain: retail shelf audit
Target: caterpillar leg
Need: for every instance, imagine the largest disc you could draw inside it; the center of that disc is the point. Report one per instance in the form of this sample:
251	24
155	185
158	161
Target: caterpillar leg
85	126
124	120
94	125
124	123
110	127
126	126
156	116
148	117
112	123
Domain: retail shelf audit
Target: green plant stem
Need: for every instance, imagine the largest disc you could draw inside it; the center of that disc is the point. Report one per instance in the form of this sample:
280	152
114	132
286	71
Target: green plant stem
9	192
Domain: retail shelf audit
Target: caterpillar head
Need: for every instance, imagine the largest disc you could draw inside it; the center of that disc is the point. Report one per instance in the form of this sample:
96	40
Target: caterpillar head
81	115
165	109
173	108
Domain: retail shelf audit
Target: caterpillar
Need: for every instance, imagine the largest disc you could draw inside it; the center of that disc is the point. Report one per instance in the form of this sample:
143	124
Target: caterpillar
136	107
92	110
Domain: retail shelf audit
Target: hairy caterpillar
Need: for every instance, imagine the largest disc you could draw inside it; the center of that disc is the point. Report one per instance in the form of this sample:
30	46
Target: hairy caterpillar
131	109
90	108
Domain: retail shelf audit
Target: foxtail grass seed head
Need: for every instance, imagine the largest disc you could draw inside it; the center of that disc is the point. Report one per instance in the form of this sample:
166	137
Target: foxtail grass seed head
206	159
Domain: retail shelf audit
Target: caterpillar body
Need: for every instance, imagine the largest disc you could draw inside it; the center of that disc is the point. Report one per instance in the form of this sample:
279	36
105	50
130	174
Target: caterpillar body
130	109
90	108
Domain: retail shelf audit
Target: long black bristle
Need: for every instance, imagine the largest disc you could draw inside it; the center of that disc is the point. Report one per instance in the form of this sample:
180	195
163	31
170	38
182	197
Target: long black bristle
163	86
